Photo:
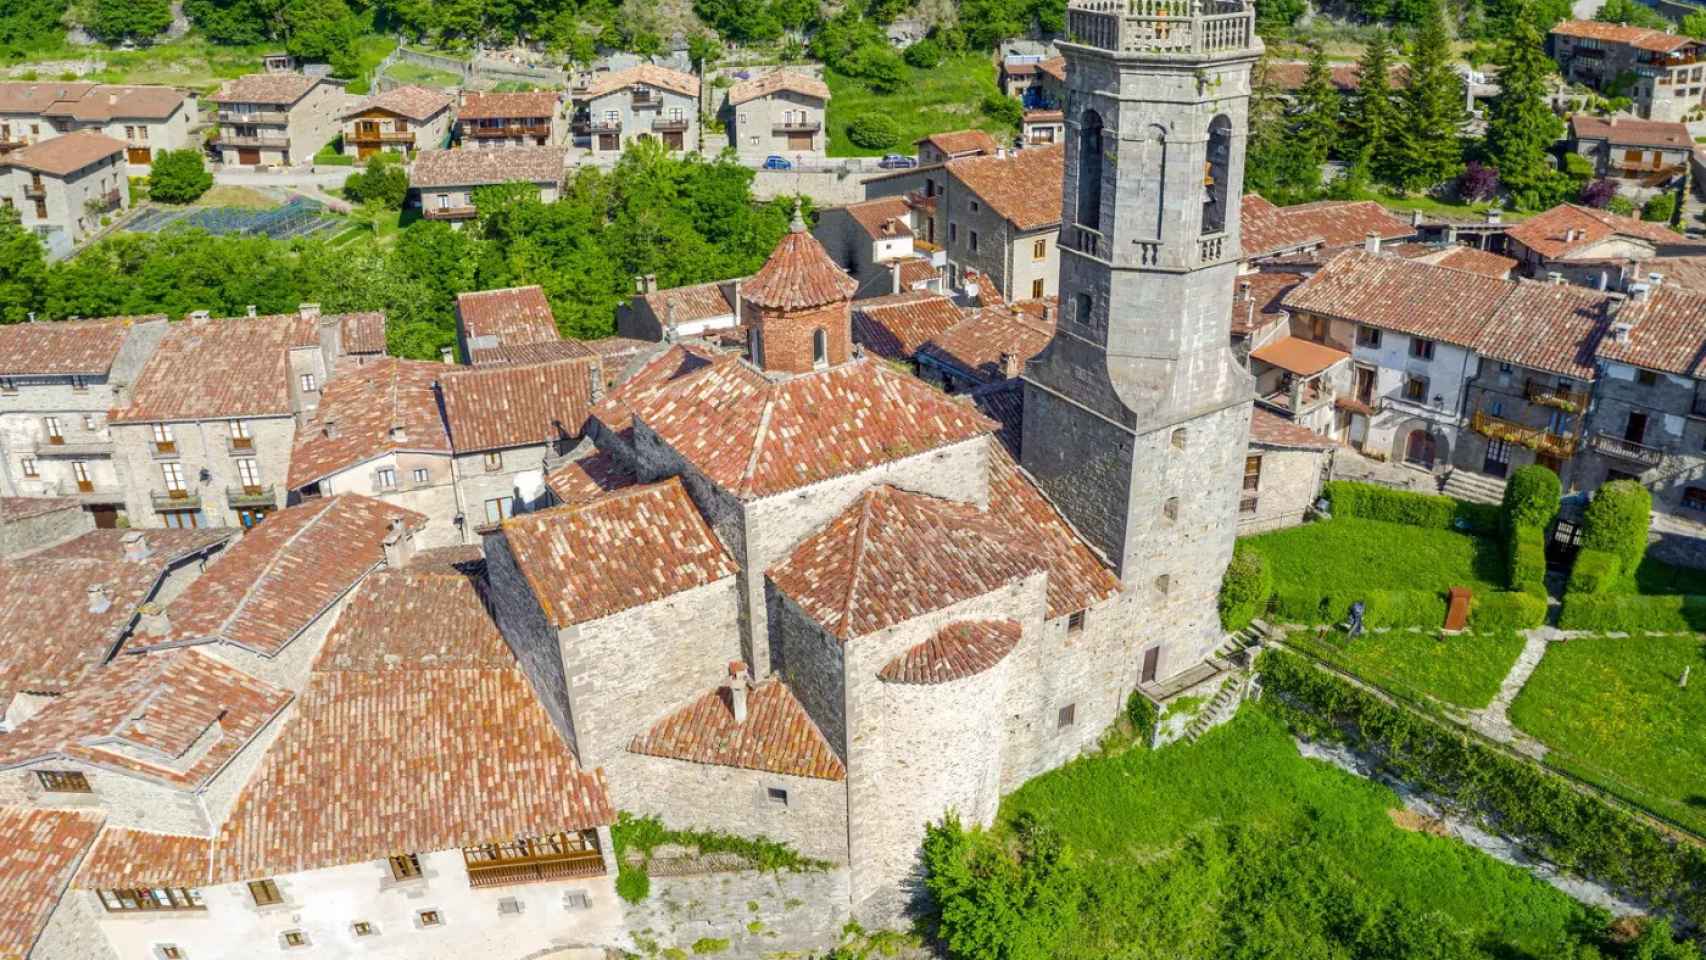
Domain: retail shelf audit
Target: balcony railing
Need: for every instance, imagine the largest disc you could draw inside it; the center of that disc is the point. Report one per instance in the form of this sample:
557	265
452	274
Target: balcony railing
1163	26
232	140
1570	401
1629	450
35	190
1417	408
450	213
1540	441
74	448
604	125
253	116
88	491
796	126
250	496
670	124
167	500
561	856
382	136
506	130
1086	240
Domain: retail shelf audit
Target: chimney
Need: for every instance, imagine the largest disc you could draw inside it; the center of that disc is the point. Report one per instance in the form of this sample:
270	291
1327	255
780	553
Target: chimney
894	277
737	301
199	315
1243	290
639	283
1048	313
651	280
154	621
1620	331
447	354
1371	242
251	309
398	546
309	311
100	598
737	690
1416	219
1010	365
1555	277
670	313
1638	292
1570	235
329	428
135	546
1654	279
1495	215
399	433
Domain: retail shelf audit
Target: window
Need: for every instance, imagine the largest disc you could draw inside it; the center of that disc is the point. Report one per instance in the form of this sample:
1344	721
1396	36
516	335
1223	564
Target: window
79	384
429	918
1368	337
249	473
29	466
1039	249
63	781
264	893
1037	289
776	795
509	907
494	461
308	383
1646	378
577	900
443	201
498	509
1083	306
420	475
1247	505
1505	368
172	475
50	425
1416	389
1253	473
130	900
163	439
362	928
385	478
405	866
1163	584
170	951
953	232
974	206
820	347
1170	509
240	438
1179	438
1067	717
1421	349
89	422
295	938
1075	621
1090	162
973	241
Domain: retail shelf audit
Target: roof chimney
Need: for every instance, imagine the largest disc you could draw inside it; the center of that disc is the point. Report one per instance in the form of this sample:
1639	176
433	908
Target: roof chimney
1371	242
398	545
329	428
651	283
100	598
1654	279
1010	365
639	283
1554	277
251	309
737	690
447	354
1243	290
135	546
399	433
1638	292
1495	215
1416	218
309	311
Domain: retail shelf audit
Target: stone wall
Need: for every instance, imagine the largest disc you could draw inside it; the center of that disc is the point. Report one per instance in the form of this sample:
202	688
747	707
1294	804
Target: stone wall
787	339
1667	402
760	914
1290	482
434	496
288	667
734	800
43	530
314	121
475	485
127	799
813	662
73	932
201	445
531	637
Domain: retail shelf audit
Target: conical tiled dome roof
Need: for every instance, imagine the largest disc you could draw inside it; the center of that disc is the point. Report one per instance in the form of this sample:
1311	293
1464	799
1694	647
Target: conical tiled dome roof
799	274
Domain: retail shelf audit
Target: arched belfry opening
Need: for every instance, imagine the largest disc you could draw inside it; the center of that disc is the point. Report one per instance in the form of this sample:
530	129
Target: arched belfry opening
1090	170
1216	175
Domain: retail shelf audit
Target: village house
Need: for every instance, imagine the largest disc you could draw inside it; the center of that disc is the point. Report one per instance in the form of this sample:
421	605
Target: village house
644	102
866	238
1287	77
445	180
1668	70
1283	471
275	119
1323	228
401	120
781	112
489	321
990	345
146	118
1592	248
1259	315
939	148
67	185
1301	378
1003	220
57	383
679	312
1650	152
1039	128
534	118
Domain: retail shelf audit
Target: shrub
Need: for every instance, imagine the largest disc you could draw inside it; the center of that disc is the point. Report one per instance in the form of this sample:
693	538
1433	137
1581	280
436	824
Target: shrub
1622	206
924	54
1141	714
1402	608
1245	590
1595	571
1599	193
1004	109
1525	560
1617	519
632	885
873	131
1506	611
1478	182
1660	208
1577	167
384	183
880	67
1634	613
1371	502
1531	497
178	176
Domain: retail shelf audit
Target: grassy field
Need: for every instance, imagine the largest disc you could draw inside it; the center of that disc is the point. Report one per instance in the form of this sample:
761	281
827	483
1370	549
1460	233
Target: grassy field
195	63
1656	577
1134	818
945	97
1611	712
405	72
1463	671
1348	553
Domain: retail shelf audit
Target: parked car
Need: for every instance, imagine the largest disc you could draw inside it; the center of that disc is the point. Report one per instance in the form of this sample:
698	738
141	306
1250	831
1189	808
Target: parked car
895	161
775	162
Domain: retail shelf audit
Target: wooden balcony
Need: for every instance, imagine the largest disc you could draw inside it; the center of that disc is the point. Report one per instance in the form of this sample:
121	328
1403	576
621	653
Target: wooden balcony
1570	401
232	140
382	136
449	213
1627	450
253	116
1540	441
561	856
505	131
251	496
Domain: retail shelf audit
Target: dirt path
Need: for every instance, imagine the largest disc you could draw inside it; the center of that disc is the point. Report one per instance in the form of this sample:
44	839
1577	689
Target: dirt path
1493	719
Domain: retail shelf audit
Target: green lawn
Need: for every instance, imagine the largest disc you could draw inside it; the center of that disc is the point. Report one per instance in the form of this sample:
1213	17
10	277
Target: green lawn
1656	577
195	63
1611	712
1140	821
1347	553
405	72
1463	671
945	97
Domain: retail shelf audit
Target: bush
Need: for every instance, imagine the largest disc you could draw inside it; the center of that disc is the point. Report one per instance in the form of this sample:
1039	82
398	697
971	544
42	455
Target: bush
1617	519
1140	712
1478	182
924	54
1577	167
1660	208
873	131
1371	502
1531	498
1634	613
1004	109
178	176
1599	193
1506	611
633	885
1595	571
1525	560
1622	206
1245	590
880	67
384	183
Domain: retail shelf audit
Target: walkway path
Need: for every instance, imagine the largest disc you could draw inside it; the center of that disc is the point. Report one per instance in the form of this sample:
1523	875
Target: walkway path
1493	720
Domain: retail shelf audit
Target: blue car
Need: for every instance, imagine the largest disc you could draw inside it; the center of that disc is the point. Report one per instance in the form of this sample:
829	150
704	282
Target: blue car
895	161
776	162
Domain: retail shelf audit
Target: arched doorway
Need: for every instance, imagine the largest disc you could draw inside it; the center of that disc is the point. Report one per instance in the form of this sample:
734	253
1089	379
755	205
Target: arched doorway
1419	449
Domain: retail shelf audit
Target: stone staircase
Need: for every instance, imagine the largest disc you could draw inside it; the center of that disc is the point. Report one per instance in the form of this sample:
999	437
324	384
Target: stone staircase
1238	655
1474	487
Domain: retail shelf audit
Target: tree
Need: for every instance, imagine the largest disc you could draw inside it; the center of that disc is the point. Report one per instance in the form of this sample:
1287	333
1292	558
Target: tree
1479	182
1521	128
1371	112
924	54
112	21
178	176
1273	166
1433	110
879	66
384	183
1275	15
1317	117
873	131
1694	25
324	31
1599	193
1633	13
23	270
1003	109
1659	208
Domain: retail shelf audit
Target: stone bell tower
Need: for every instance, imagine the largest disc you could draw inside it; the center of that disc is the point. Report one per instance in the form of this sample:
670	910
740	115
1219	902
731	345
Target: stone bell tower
1137	414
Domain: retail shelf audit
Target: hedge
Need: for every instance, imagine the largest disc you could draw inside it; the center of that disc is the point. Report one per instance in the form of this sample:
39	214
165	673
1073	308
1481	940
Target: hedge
1371	502
1506	611
1617	519
1518	798
1525	559
1531	498
1381	608
1595	571
1244	592
1634	613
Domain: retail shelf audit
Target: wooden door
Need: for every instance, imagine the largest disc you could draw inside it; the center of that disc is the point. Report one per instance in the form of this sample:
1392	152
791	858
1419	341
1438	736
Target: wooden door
365	150
106	518
1550	462
607	141
141	155
799	141
1365	385
673	139
250	156
1419	448
1151	664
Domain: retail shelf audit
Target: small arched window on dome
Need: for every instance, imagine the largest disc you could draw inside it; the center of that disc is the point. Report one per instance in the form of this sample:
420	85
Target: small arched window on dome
1179	438
820	348
755	346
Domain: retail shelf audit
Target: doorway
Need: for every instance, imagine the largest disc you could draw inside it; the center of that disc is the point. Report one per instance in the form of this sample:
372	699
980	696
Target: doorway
799	141
1550	462
1365	386
141	155
249	156
1636	429
106	518
1419	449
1498	459
1151	664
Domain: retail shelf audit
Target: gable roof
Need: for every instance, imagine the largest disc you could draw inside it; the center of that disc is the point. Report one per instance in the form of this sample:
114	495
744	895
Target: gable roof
1054	67
961	649
39	853
883	217
111	102
14	509
1401	295
639	544
57	631
896	325
1257	299
36	96
1269	429
1460	257
276	88
163	546
1569	228
64	347
218	369
589	478
975	346
515	405
798	274
778	735
1627	130
1266	230
506	317
419	618
545	351
415	103
1665	333
1553	327
1023	186
699	301
66	154
1644	38
1078	577
489	105
648	74
373	410
364	333
957	143
437	169
777	81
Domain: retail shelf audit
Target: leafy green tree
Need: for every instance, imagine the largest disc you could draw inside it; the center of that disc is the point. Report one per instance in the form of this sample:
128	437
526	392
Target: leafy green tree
1275	15
1694	25
1659	208
1004	109
873	131
988	22
1432	110
880	67
384	183
114	20
998	904
324	31
1633	13
924	54
1316	130
1273	165
1521	128
29	26
178	176
23	270
1371	112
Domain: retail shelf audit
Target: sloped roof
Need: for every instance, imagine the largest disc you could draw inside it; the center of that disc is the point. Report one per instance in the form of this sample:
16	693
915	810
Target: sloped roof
364	333
55	634
126	858
777	81
976	345
39	852
507	317
1297	355
1078	577
1272	430
649	74
515	405
1644	38
1553	327
366	407
110	102
896	325
1405	296
1569	228
488	105
66	154
436	169
1265	229
1004	402
64	347
1024	186
1627	130
961	649
1054	67
14	509
960	142
1666	333
165	546
778	736
1266	291
591	560
415	103
275	88
699	301
1460	257
431	618
545	351
799	274
35	96
589	478
219	368
883	217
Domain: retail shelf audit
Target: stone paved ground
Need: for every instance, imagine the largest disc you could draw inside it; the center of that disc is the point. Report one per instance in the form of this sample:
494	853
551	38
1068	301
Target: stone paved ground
1492	720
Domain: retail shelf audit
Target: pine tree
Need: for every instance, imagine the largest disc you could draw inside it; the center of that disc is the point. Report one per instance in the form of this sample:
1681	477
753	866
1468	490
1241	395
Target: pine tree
1316	128
1371	113
1273	165
1521	129
1432	109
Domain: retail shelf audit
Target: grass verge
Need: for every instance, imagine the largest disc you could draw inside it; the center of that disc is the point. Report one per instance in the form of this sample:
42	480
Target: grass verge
1349	553
1463	671
945	97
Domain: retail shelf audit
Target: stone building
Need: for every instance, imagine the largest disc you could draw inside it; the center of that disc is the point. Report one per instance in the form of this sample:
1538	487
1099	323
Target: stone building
28	524
1301	380
679	313
897	326
275	119
145	118
1592	248
40	851
939	148
57	383
1324	227
402	120
781	112
1284	468
66	185
534	118
1649	152
1003	220
876	241
1668	70
990	345
490	321
644	102
445	180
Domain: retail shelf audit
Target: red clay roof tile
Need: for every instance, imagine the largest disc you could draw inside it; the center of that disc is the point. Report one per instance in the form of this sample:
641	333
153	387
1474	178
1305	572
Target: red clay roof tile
515	405
896	325
39	852
507	317
373	410
961	649
799	274
778	735
1023	186
125	858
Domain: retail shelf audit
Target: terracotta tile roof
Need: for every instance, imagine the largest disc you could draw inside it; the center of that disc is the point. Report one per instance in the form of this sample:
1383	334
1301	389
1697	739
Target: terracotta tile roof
39	852
37	96
1658	41
276	88
863	571
1626	130
701	301
436	169
757	438
106	102
1044	116
66	154
1024	186
915	270
545	351
507	317
1553	327
1567	229
431	618
165	547
896	325
176	716
622	349
775	81
482	105
589	478
961	649
778	735
1004	402
219	368
1272	430
1263	306
882	218
466	557
1078	577
1296	355
1666	333
1054	67
1401	295
364	333
672	364
517	405
64	347
14	509
1686	271
799	274
1266	229
1290	76
373	410
960	142
646	74
277	580
59	632
1459	257
974	347
635	546
415	103
125	858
